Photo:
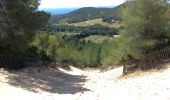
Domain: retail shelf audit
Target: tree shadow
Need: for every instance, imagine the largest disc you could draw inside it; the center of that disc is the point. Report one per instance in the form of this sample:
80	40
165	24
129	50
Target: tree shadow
48	80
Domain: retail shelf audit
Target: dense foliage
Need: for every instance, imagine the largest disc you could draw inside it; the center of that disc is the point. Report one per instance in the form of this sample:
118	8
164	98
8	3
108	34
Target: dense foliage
74	51
19	20
84	31
146	28
67	49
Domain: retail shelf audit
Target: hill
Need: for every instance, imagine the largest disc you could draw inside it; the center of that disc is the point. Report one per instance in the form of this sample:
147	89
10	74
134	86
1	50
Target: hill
87	13
114	24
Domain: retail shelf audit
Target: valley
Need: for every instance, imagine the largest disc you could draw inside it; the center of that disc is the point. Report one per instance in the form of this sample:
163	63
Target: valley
87	53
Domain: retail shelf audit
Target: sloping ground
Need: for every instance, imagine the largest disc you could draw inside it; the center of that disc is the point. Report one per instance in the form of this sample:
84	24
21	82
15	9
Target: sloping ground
98	39
50	84
97	21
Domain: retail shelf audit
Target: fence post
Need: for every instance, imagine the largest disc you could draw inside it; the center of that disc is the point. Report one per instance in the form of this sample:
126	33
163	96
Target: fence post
124	69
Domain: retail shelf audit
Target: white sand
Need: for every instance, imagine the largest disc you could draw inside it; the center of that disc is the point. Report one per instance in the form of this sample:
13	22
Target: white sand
72	85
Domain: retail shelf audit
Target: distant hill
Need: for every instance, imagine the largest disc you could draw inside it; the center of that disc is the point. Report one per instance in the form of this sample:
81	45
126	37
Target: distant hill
87	13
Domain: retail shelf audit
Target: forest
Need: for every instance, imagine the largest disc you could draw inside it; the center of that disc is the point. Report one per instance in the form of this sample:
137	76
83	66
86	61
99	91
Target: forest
24	42
89	30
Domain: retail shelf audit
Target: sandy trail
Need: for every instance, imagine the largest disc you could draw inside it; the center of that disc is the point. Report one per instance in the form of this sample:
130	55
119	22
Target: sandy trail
50	84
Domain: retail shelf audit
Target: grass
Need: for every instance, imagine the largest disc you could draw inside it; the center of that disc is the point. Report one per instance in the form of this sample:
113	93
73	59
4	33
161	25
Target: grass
66	33
97	21
98	39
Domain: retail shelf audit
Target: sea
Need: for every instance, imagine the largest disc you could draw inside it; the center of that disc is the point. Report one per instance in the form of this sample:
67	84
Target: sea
58	11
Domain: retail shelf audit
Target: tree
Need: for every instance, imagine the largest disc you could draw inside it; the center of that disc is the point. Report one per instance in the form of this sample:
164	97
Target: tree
146	28
19	20
47	44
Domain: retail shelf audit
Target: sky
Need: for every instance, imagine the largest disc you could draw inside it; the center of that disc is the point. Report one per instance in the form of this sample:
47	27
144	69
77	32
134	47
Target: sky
78	3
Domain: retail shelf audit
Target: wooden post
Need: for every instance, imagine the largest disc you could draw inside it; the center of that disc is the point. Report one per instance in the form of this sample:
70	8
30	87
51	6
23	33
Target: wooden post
124	69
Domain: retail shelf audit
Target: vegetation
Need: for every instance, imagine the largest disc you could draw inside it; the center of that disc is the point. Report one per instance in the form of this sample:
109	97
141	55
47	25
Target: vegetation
19	21
67	49
71	50
84	31
113	24
98	39
21	43
95	42
146	28
110	53
81	32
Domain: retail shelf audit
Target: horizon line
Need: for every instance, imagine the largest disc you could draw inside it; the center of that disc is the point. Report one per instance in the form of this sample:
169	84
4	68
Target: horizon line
109	6
81	7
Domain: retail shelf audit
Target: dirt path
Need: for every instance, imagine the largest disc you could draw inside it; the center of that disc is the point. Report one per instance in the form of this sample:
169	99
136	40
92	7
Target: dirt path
43	84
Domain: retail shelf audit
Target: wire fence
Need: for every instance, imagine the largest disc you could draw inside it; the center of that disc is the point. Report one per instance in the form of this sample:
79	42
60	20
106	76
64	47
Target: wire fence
155	59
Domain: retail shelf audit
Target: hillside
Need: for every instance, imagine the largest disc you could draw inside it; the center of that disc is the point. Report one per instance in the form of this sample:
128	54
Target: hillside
87	54
51	84
87	13
114	24
98	39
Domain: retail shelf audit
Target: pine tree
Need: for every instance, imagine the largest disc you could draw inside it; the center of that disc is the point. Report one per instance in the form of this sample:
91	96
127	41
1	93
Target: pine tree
146	27
19	21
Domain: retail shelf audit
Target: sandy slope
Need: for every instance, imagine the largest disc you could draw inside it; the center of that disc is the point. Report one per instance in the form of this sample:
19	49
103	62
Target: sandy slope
43	84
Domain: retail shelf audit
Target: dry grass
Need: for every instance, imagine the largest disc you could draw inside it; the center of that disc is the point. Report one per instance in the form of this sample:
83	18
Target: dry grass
97	21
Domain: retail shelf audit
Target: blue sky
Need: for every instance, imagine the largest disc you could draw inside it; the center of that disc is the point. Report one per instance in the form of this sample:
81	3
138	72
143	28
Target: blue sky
78	3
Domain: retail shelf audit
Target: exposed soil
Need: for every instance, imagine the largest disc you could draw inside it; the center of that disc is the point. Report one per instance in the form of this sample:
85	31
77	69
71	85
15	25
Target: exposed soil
50	84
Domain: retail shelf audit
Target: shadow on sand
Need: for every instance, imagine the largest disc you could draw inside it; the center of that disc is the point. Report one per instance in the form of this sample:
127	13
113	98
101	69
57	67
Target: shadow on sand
48	80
